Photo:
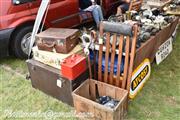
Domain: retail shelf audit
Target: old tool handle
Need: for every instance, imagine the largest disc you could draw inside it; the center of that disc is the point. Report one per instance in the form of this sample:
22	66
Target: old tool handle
93	35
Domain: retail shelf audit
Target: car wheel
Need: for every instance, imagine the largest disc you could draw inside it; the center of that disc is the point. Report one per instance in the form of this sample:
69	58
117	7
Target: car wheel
21	41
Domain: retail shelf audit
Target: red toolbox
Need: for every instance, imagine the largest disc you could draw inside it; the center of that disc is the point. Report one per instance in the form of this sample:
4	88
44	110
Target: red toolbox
73	66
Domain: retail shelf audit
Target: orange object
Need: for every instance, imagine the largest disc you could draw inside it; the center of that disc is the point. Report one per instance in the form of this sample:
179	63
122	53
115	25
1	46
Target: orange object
73	66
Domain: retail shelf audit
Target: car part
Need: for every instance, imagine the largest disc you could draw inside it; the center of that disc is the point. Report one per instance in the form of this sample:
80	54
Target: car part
21	41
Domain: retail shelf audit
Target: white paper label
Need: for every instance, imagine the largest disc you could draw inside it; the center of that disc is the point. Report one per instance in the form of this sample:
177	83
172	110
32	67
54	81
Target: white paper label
164	50
100	41
59	83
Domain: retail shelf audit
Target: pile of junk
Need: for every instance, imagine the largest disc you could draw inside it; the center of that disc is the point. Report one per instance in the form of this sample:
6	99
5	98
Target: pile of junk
92	69
173	8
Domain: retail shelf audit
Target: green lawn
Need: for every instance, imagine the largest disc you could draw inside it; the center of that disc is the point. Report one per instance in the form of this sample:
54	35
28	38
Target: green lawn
158	100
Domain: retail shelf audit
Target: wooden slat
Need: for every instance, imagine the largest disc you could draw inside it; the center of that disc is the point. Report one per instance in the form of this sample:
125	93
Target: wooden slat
100	63
92	90
89	66
94	66
132	55
100	55
101	89
113	52
100	114
126	62
135	5
110	91
107	57
119	60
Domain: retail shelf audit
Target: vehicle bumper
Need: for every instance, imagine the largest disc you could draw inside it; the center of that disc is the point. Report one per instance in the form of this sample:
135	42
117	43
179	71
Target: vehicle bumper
4	41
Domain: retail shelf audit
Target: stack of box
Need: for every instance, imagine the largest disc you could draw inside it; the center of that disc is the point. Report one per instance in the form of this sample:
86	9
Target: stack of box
58	65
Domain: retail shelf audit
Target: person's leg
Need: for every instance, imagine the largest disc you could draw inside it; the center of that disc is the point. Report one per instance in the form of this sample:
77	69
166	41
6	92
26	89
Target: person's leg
122	9
96	16
119	11
125	7
100	13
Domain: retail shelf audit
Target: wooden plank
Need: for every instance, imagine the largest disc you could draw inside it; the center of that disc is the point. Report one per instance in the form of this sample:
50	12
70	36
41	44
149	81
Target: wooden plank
92	90
100	114
116	114
110	91
101	89
100	54
119	94
107	57
109	116
121	114
113	52
132	55
119	60
126	62
89	67
100	63
80	105
87	108
84	90
135	5
94	66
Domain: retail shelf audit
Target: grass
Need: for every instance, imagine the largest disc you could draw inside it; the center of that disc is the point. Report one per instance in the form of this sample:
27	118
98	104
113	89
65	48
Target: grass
158	100
17	95
160	97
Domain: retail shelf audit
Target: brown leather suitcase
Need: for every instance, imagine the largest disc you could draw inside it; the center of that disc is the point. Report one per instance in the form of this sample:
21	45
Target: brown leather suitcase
49	80
61	40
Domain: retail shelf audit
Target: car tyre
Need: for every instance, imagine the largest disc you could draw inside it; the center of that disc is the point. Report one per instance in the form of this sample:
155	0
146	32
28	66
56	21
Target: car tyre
21	40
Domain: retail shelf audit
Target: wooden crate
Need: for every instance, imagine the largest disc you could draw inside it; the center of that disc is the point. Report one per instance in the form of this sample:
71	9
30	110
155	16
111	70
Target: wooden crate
87	108
150	47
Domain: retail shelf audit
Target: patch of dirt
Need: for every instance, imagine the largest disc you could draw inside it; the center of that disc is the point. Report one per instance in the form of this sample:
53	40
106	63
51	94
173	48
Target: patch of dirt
171	101
16	72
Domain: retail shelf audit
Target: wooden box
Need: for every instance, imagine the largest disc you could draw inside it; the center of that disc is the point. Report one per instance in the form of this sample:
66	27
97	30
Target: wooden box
50	81
150	47
85	104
